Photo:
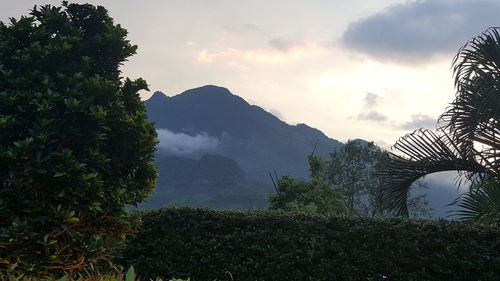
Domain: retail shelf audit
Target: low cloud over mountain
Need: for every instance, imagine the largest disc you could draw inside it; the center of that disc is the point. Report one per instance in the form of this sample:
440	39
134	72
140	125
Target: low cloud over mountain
180	143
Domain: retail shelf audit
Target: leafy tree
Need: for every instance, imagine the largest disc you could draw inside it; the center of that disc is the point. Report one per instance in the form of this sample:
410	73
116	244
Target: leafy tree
354	169
467	136
347	184
75	142
315	197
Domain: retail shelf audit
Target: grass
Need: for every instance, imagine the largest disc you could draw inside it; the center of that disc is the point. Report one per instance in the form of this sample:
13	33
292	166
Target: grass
87	275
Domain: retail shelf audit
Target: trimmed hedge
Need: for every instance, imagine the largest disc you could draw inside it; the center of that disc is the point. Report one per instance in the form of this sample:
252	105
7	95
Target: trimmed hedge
205	244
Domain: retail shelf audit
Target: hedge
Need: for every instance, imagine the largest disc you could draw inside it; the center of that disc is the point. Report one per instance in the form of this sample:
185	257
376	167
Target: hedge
206	244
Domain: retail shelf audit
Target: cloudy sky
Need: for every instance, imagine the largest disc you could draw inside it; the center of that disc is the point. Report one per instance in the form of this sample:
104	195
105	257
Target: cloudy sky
372	69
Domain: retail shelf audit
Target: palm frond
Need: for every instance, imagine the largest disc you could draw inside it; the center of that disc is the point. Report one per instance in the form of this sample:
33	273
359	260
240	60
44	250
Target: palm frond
468	136
473	116
481	204
423	152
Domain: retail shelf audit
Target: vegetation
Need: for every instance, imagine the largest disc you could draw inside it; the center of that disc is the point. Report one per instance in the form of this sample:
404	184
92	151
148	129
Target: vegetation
87	275
312	197
75	146
206	244
467	139
349	183
355	169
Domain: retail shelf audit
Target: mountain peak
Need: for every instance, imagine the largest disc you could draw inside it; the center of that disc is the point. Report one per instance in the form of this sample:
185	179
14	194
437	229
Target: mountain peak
255	138
209	90
158	96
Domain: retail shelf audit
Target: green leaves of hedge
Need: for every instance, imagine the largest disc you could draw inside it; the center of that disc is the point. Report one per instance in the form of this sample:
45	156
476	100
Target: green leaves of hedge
204	244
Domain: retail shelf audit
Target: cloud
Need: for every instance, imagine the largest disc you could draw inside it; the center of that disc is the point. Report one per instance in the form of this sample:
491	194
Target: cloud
180	143
276	113
283	44
373	116
370	100
280	52
420	29
419	121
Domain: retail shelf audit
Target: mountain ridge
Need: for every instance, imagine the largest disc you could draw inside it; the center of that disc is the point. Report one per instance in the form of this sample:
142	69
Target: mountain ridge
259	141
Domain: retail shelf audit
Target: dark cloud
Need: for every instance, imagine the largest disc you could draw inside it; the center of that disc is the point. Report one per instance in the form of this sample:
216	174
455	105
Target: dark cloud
373	116
419	121
419	29
284	44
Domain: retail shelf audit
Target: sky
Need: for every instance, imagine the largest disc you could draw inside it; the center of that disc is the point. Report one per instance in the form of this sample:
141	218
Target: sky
370	69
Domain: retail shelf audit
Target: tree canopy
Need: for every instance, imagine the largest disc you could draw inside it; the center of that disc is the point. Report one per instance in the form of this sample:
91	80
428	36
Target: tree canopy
75	145
314	197
347	184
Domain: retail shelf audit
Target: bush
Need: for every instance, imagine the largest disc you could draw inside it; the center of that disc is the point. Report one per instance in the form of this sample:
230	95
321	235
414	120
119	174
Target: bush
75	142
205	244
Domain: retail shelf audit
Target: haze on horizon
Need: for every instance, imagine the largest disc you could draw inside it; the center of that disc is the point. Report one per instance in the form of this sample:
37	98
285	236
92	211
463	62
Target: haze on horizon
360	69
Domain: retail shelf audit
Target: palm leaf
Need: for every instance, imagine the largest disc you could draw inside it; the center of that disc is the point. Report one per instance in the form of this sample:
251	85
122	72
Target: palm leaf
423	152
471	121
473	116
482	204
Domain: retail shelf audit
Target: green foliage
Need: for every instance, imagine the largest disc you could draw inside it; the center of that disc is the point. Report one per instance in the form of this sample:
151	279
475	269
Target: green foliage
354	169
205	244
75	145
346	184
481	204
313	197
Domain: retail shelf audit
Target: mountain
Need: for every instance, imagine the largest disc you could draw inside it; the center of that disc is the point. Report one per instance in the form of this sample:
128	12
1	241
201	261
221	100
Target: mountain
216	150
213	181
257	140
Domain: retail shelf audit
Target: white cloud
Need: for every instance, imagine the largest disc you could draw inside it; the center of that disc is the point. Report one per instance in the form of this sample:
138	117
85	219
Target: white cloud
280	52
180	143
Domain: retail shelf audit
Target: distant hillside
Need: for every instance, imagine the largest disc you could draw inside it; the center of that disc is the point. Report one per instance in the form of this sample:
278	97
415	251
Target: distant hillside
257	140
213	181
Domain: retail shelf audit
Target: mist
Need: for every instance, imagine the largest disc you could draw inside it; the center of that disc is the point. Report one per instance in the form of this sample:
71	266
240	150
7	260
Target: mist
182	144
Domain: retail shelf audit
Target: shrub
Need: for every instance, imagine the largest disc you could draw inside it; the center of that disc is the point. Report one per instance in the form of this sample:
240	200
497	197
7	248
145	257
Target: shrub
75	142
205	244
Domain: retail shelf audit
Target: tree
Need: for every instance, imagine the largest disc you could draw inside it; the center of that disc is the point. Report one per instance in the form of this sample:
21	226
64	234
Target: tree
347	184
354	169
75	145
313	197
467	138
351	168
